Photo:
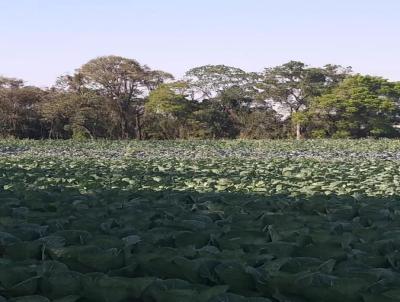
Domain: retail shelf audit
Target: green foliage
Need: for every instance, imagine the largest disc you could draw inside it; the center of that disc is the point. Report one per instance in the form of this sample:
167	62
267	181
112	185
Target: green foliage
165	101
294	85
206	82
118	98
360	106
19	105
318	134
214	122
262	124
201	221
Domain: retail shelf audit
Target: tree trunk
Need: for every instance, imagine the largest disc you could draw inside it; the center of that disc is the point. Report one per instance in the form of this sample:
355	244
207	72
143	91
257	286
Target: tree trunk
138	127
123	112
298	131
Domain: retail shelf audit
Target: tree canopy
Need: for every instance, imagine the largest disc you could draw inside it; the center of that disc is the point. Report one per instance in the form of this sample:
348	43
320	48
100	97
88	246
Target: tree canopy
360	106
119	98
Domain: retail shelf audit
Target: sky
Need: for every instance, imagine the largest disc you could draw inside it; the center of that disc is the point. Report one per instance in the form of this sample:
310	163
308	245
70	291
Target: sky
43	39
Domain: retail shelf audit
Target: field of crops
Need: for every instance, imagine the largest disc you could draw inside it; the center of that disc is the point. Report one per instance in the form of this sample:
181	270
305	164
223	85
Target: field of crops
200	221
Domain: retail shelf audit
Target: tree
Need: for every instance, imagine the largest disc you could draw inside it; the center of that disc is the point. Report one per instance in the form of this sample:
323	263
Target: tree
71	83
18	109
117	98
206	82
165	101
10	83
166	112
155	78
293	85
360	106
126	82
234	98
262	123
212	121
67	114
119	79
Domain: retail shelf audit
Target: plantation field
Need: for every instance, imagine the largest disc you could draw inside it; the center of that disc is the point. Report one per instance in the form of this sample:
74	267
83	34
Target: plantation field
202	221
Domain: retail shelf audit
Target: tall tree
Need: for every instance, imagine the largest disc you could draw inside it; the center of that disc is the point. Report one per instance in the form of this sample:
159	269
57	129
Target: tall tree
119	79
293	85
360	106
18	109
167	112
69	114
206	82
126	82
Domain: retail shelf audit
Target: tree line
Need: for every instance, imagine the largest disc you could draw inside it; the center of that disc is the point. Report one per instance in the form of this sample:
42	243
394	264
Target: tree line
113	97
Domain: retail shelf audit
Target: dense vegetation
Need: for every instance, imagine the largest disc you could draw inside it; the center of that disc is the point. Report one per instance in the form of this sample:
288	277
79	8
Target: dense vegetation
118	98
202	221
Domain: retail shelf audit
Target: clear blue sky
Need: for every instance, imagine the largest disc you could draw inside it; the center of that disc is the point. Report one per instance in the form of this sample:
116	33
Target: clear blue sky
42	39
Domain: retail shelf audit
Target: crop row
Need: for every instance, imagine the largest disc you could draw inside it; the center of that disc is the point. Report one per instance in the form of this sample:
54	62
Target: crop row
195	150
275	176
159	247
